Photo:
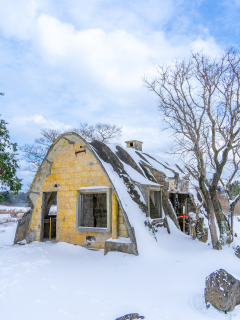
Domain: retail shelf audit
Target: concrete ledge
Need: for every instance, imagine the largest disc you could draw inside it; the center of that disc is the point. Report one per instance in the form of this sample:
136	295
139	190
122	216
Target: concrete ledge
119	245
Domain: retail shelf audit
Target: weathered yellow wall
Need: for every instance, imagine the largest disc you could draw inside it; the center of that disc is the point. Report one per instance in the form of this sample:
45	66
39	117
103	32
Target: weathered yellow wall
72	172
122	228
114	216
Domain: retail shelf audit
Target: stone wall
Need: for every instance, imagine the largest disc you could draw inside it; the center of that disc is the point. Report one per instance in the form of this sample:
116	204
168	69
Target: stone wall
122	228
161	179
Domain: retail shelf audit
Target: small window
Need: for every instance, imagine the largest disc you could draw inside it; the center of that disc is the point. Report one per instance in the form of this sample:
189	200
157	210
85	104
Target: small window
93	209
131	144
155	204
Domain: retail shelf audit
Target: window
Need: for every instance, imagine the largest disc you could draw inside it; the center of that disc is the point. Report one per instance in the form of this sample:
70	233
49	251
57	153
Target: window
131	144
155	204
93	209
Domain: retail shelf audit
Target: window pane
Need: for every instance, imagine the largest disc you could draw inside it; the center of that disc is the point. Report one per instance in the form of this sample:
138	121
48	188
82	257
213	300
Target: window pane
95	210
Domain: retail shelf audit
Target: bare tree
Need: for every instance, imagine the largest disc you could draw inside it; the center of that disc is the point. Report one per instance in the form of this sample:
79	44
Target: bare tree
199	103
35	153
48	136
103	132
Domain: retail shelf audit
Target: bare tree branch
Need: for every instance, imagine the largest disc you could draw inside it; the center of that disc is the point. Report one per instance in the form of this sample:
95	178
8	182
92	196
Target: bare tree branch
199	103
35	153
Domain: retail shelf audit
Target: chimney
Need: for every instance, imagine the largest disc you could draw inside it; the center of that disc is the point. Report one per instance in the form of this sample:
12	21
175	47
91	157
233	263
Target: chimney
135	144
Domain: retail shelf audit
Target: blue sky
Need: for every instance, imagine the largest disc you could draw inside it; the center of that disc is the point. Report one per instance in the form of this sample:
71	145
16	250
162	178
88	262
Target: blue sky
66	62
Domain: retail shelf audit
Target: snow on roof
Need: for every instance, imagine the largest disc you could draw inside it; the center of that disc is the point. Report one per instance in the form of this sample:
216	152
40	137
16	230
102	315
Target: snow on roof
133	173
134	164
129	170
129	196
166	166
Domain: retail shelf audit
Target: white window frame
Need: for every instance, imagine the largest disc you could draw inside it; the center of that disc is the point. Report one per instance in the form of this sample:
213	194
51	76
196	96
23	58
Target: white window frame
79	213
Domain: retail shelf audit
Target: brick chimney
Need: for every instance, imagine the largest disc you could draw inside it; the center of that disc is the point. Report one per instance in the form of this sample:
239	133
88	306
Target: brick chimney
135	144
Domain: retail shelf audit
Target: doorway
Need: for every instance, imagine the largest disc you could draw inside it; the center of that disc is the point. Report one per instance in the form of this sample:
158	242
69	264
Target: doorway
49	216
182	206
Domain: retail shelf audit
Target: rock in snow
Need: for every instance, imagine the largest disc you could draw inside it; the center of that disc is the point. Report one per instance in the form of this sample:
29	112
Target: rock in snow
131	316
23	242
222	290
237	252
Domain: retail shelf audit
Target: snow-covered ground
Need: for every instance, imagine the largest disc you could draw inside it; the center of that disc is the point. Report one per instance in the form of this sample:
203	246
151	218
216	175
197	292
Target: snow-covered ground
7	233
53	209
9	214
13	209
63	281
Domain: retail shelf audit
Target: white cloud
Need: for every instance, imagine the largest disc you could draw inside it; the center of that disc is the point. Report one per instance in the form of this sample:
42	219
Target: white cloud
30	126
136	16
116	59
208	46
63	65
40	121
18	18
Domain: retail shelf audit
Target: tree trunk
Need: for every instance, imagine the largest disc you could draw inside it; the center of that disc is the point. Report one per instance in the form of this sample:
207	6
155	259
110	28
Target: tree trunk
231	210
211	215
232	221
221	219
193	228
213	230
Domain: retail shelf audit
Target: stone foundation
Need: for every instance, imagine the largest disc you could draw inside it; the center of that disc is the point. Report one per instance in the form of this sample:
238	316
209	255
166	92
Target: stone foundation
124	247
